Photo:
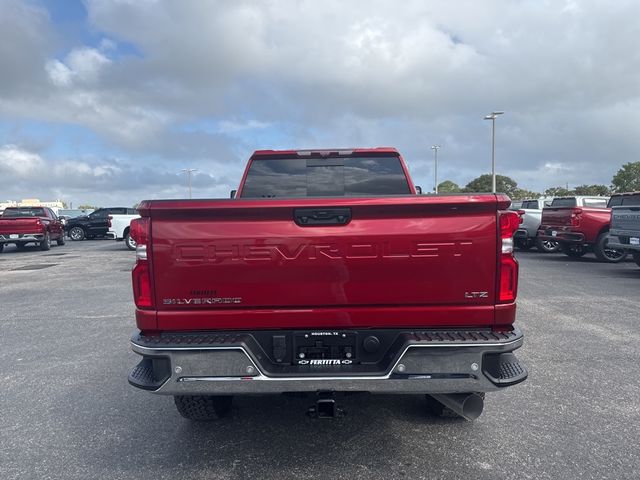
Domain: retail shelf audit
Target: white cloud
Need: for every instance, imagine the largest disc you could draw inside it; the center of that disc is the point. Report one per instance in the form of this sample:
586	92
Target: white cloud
345	74
19	163
59	74
28	174
228	126
26	41
86	63
81	66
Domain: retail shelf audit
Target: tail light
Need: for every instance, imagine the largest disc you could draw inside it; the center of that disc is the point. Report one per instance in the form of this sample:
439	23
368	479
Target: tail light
507	264
576	216
109	218
141	276
521	215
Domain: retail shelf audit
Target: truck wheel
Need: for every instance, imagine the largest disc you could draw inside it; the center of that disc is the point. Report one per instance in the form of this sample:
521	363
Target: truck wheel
60	240
606	254
203	408
547	246
76	234
573	251
636	257
46	243
129	242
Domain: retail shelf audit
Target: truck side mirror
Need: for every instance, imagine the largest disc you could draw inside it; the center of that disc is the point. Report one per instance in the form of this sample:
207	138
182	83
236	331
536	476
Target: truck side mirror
418	189
233	194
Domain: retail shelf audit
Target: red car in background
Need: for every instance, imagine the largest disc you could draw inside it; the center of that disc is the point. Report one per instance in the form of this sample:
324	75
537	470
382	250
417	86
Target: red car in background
580	224
24	225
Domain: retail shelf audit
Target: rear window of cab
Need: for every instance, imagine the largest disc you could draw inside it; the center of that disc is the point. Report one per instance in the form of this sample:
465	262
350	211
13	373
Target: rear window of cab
325	177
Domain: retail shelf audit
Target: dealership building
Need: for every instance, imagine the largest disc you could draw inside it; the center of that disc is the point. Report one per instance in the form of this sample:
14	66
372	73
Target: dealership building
32	202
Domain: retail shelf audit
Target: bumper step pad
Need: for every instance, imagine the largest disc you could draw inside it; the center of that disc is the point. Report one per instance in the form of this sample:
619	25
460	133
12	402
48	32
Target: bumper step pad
150	373
504	369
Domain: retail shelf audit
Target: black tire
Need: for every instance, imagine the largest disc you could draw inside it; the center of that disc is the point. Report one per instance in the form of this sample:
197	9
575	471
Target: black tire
45	244
77	233
60	240
636	257
547	246
572	250
129	242
606	254
202	408
436	409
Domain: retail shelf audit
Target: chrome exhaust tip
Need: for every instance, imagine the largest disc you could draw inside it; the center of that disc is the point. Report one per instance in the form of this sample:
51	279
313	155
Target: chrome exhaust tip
466	405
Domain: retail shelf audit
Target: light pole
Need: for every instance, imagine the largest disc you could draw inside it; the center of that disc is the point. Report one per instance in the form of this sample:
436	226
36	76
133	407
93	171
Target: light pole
189	171
492	117
435	158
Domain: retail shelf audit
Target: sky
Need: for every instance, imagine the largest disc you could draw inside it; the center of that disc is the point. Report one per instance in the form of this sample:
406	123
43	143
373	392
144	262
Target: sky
105	102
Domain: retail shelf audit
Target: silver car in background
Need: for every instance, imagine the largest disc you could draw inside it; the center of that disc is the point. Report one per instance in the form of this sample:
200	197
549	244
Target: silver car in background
527	235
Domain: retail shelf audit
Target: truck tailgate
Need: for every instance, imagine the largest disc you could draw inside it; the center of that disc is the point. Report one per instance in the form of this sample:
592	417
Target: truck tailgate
559	216
625	219
19	225
401	261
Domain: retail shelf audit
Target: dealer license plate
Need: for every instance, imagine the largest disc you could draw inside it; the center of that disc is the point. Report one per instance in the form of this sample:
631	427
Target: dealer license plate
634	241
554	233
14	235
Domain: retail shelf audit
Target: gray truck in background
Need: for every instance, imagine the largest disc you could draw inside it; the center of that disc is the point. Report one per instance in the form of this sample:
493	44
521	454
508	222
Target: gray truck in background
624	233
527	235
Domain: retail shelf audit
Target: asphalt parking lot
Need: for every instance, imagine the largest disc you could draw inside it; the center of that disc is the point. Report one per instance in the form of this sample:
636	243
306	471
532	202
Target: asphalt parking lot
68	412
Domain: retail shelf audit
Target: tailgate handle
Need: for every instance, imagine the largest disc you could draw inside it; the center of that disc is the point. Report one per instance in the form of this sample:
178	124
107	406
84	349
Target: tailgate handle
312	217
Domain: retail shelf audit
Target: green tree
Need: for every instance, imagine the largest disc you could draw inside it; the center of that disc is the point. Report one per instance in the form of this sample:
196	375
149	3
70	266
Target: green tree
483	184
558	192
521	194
601	190
449	187
627	179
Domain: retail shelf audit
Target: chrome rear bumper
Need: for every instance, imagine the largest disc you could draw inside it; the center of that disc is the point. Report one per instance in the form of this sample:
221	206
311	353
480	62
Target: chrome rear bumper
22	237
440	364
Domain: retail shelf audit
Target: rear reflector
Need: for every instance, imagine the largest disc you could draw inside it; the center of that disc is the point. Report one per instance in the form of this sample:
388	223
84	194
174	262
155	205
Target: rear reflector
141	277
141	274
508	279
507	264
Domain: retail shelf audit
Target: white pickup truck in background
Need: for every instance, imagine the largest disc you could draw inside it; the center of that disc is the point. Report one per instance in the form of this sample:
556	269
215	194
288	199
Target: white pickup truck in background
119	229
527	235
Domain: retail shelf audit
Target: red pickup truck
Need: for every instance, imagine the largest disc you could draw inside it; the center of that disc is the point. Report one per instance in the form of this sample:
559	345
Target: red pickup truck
24	225
326	273
580	224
